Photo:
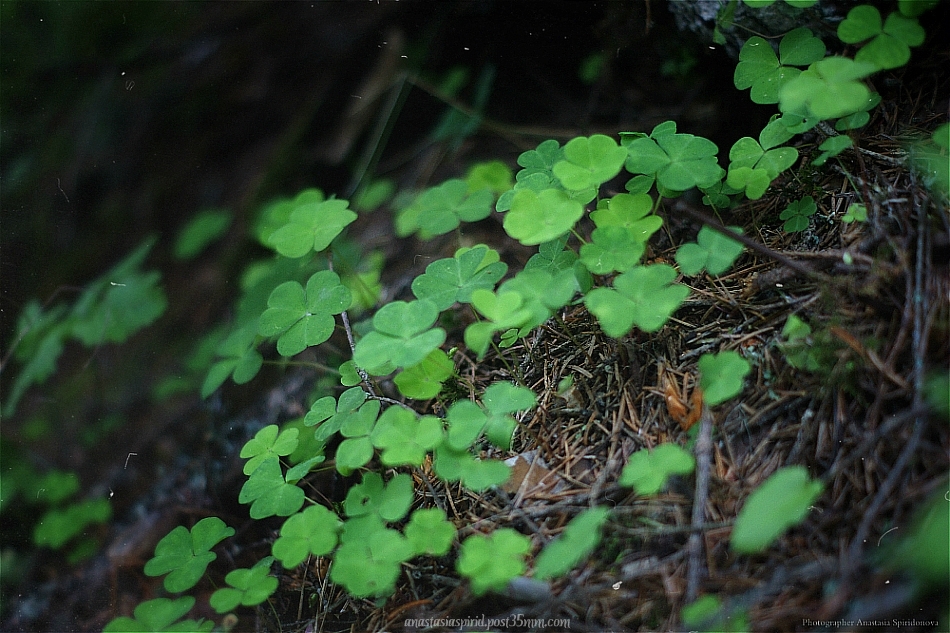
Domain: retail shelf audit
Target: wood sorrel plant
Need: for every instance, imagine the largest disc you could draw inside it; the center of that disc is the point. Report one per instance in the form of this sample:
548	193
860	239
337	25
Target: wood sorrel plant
299	299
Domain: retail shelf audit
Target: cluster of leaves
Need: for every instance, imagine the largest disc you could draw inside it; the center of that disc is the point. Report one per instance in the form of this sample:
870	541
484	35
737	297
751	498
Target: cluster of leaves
294	300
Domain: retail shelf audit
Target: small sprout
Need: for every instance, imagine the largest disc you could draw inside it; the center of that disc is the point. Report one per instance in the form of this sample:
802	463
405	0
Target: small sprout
856	212
159	616
765	73
428	532
269	493
424	380
643	296
304	318
491	561
402	337
371	497
797	213
781	502
349	375
368	562
265	444
441	209
721	376
404	438
540	217
830	148
589	162
890	46
238	359
311	227
575	543
679	161
184	555
829	89
201	230
713	251
647	471
249	587
453	279
310	532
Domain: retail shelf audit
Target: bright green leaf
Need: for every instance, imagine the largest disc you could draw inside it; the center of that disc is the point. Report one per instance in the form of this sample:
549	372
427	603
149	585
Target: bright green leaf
201	230
642	296
647	471
269	493
491	561
589	162
249	587
796	214
536	218
429	532
184	555
781	502
713	251
453	279
266	444
311	227
303	318
310	532
721	376
575	543
403	336
389	502
424	380
404	437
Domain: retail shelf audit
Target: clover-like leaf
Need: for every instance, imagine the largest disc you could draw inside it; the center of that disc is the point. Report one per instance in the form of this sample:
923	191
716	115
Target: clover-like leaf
58	525
330	414
265	444
403	336
453	279
368	561
388	502
796	214
238	359
184	554
491	561
633	212
205	227
553	258
441	209
452	464
493	175
356	426
753	181
500	399
747	152
429	532
611	248
830	147
424	380
575	543
721	376
760	69
542	293
504	310
647	471
310	532
249	587
303	318
540	217
404	438
589	162
679	161
269	493
781	502
311	227
159	616
119	303
713	251
890	46
642	296
829	89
